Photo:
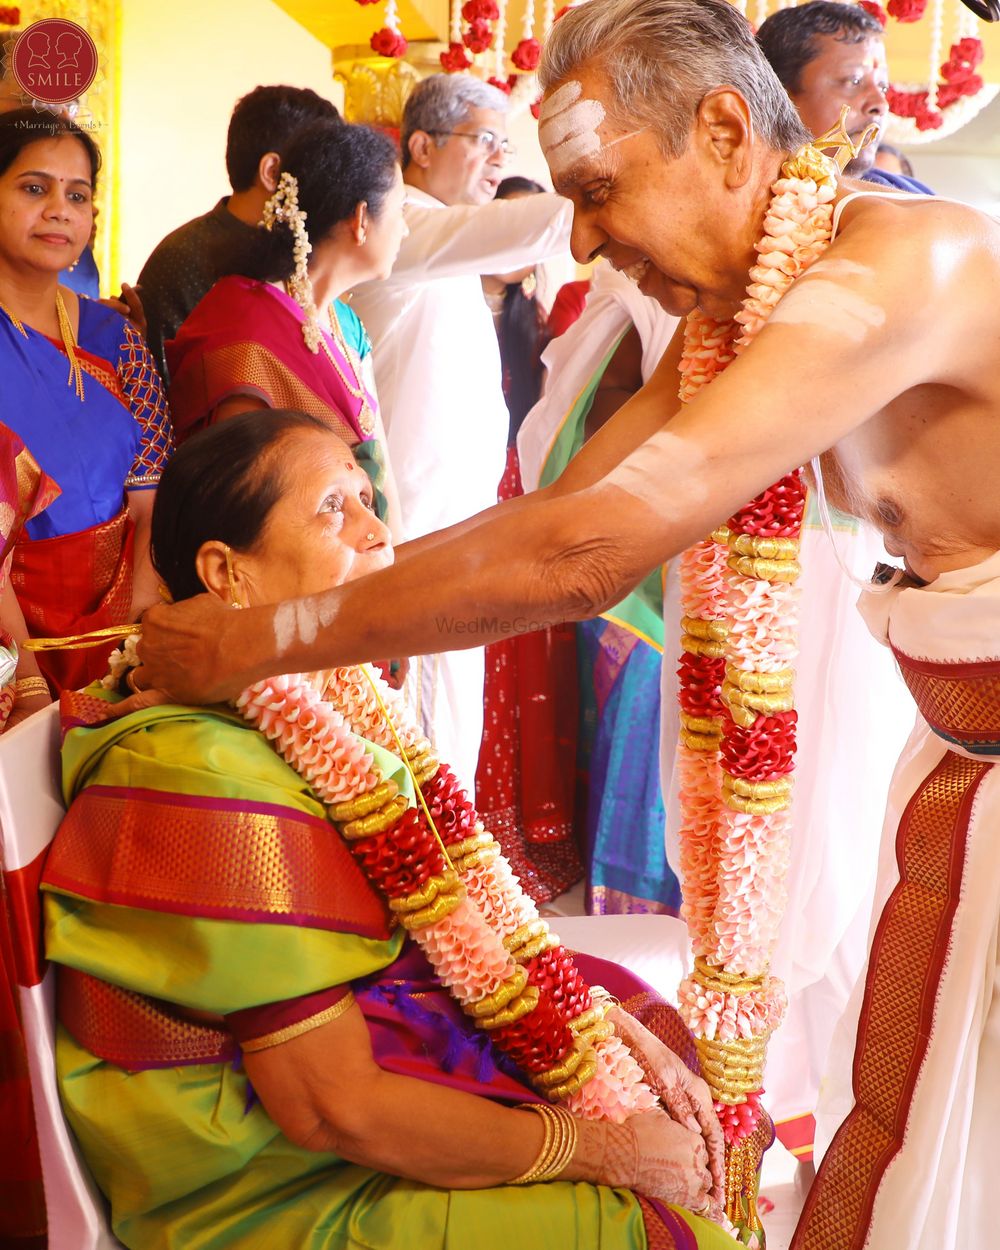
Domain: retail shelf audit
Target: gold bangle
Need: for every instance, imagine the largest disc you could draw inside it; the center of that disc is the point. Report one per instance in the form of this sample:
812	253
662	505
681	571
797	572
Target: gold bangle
28	687
558	1144
536	1170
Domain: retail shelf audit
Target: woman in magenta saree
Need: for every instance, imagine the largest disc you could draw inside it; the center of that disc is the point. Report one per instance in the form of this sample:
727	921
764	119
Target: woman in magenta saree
252	1053
280	337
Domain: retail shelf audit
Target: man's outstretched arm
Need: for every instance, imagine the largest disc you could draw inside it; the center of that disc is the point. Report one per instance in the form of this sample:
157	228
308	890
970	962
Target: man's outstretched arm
850	339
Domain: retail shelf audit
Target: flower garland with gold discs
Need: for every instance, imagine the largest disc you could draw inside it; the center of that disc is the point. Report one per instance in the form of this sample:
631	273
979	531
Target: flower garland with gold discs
736	752
446	881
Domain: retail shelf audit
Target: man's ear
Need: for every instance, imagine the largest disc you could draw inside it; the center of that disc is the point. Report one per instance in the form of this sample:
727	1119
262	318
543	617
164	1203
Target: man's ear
420	145
269	171
725	127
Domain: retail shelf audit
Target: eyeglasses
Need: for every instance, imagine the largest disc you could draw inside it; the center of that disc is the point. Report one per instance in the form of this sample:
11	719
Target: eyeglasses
486	139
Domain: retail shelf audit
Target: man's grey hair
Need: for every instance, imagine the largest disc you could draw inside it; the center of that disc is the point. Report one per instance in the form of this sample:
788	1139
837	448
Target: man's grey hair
444	101
662	57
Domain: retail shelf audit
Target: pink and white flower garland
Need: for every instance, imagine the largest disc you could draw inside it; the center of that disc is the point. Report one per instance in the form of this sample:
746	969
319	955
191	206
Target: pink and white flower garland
736	750
485	939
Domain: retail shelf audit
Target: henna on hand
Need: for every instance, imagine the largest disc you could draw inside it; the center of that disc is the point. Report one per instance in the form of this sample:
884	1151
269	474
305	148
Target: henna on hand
684	1096
650	1153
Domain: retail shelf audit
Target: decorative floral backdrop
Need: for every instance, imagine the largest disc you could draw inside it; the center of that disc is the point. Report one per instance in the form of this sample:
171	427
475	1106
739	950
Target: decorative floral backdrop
481	40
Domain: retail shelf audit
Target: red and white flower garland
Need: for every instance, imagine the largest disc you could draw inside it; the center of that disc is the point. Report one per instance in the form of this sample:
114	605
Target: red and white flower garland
954	92
447	882
737	745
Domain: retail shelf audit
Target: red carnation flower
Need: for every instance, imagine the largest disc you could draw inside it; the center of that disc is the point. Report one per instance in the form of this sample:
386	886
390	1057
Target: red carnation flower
875	9
479	36
950	92
480	10
905	103
455	59
968	49
527	54
387	42
907	10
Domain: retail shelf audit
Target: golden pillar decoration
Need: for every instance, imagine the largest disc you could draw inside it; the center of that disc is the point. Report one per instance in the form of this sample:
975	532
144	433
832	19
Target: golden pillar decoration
375	87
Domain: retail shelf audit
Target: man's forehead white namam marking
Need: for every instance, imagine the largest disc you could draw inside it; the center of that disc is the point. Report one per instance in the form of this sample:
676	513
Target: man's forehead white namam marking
567	127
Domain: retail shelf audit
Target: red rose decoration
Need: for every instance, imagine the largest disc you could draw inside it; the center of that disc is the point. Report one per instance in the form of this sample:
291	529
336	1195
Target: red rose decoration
929	119
968	49
958	72
876	10
480	11
479	36
501	84
527	54
949	92
455	59
907	10
906	103
387	42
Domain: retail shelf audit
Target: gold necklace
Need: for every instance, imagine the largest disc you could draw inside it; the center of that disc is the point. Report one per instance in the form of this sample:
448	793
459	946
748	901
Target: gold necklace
366	418
75	378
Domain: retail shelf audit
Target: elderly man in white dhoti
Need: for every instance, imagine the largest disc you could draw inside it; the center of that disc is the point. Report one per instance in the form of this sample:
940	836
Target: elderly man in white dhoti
842	686
674	145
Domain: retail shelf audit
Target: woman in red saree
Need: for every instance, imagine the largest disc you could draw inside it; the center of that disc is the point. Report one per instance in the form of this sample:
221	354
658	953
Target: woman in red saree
81	390
280	337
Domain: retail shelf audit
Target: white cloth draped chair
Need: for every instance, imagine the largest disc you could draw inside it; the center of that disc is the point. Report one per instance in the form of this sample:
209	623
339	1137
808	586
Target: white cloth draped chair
30	811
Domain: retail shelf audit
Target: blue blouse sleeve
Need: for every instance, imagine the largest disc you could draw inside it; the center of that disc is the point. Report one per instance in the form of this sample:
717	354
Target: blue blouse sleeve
355	334
109	335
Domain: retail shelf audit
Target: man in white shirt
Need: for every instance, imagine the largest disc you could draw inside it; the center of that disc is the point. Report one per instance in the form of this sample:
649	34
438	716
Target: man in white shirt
437	362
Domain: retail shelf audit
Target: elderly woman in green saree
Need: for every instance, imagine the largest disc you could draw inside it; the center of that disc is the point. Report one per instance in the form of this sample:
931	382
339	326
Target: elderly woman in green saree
261	1040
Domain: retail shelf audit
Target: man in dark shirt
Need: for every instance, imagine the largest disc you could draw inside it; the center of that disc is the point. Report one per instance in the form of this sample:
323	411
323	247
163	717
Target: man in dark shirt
191	259
828	55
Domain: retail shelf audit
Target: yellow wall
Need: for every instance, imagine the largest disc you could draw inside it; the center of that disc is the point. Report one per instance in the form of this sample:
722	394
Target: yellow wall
183	65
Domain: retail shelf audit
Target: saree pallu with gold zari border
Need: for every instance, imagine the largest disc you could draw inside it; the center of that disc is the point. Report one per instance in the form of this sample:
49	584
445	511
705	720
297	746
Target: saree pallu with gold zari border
199	904
915	1068
72	584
